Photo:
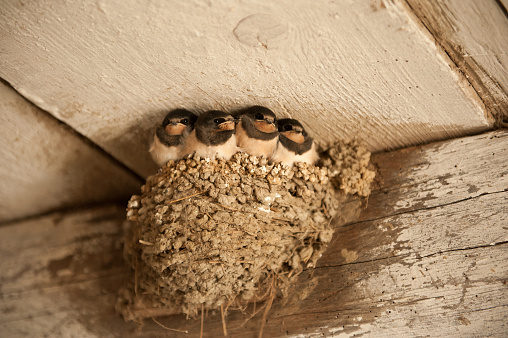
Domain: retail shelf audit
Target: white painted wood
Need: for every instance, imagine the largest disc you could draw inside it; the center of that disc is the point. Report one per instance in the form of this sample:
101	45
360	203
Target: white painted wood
418	193
458	294
475	35
45	166
428	176
441	173
476	222
346	68
436	270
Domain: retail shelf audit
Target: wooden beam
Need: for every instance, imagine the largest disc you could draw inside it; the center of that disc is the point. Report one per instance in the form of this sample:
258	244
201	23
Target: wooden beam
60	273
45	166
439	173
474	34
423	267
344	68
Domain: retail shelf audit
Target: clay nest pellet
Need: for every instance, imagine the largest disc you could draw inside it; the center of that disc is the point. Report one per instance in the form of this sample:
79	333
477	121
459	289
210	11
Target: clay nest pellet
206	234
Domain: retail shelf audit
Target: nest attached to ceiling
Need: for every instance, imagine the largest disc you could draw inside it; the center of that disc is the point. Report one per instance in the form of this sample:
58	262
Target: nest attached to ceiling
206	234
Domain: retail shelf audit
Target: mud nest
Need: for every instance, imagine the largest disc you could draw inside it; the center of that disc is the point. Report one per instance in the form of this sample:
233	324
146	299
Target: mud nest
205	234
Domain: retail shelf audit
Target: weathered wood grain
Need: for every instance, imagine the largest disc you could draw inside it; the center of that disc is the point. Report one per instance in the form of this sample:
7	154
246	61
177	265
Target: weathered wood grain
458	294
46	166
475	35
434	270
439	173
60	275
473	222
345	68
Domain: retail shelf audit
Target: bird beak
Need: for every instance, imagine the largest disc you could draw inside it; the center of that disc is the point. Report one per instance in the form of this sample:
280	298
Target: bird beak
294	136
265	126
228	125
271	127
175	128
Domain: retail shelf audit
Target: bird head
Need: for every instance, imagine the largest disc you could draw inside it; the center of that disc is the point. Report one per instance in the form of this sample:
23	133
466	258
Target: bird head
262	118
292	129
179	121
214	127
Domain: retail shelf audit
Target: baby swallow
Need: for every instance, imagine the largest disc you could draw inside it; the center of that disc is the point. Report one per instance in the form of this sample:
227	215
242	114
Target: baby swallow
213	136
170	136
256	132
295	145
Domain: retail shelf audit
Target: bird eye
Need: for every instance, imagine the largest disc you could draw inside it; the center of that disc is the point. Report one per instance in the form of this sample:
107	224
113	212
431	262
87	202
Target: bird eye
219	120
288	127
259	116
184	121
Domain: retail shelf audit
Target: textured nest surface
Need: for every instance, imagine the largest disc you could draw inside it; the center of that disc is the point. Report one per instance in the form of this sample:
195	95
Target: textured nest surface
211	233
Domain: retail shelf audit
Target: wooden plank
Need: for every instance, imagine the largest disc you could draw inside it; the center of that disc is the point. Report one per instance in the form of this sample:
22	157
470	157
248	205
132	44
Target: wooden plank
423	232
46	166
428	271
439	173
61	274
418	191
345	68
475	35
459	293
441	294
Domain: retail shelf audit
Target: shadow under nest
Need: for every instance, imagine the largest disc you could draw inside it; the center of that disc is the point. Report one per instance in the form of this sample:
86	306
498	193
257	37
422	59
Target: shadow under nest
220	234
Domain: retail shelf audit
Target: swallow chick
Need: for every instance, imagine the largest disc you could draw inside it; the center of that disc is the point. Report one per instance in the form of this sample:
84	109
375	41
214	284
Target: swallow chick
170	136
295	145
256	132
213	136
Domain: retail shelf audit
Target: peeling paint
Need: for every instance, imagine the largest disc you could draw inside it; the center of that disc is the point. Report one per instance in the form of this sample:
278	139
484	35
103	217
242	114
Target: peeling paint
350	256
